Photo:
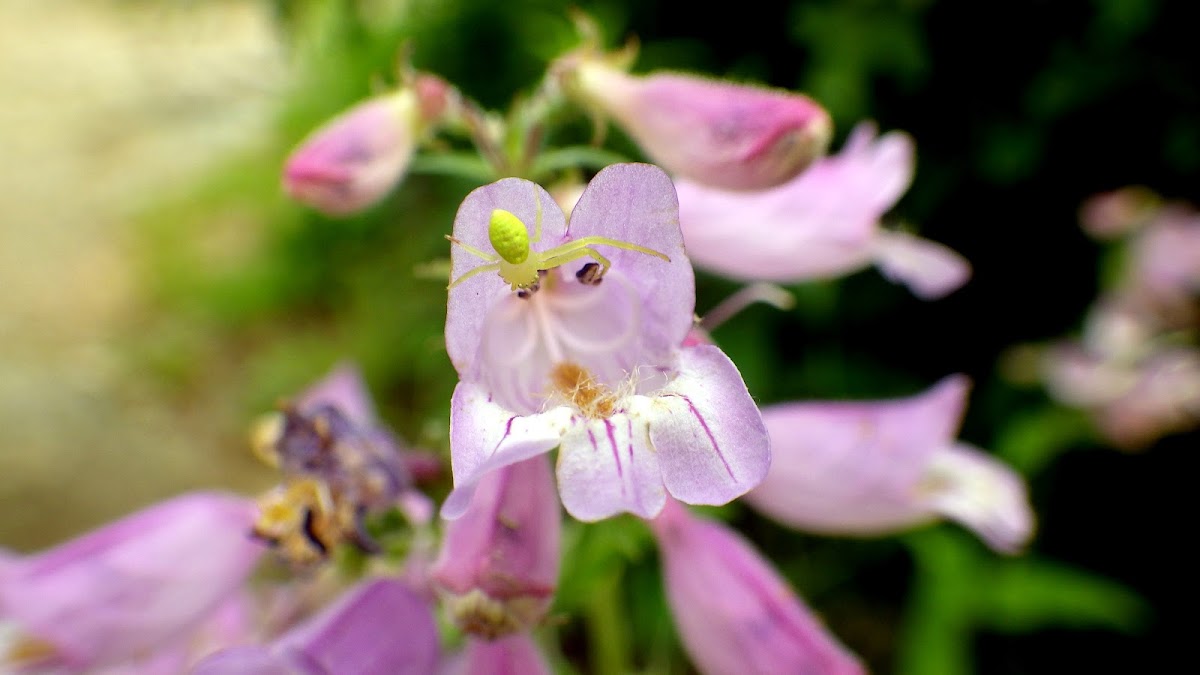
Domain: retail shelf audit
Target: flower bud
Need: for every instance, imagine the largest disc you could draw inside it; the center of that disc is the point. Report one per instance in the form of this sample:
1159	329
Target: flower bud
1110	215
499	561
355	159
129	588
720	134
734	612
345	638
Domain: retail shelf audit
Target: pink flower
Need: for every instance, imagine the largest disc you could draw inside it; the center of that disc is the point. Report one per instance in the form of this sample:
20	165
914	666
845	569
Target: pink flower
594	369
734	612
721	134
513	655
867	468
1138	385
499	561
130	588
379	627
1109	215
822	224
356	158
1164	266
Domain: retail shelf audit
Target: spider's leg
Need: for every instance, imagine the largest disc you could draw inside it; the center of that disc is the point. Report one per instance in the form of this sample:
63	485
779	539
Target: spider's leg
583	242
494	267
564	257
471	249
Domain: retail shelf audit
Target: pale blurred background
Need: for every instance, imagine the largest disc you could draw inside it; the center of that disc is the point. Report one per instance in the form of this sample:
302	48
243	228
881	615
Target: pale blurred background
108	105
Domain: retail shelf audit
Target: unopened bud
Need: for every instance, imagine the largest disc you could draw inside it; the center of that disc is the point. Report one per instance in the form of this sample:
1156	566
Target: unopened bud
355	159
720	134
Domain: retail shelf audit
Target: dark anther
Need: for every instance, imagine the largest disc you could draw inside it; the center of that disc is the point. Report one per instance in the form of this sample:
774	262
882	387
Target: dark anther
590	274
310	532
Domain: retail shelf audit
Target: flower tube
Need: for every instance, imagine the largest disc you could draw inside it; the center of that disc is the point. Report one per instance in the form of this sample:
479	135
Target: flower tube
379	627
129	588
869	468
822	224
734	613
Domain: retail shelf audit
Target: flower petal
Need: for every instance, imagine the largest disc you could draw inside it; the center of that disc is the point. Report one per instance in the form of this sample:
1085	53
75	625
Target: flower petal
244	660
608	466
345	637
971	487
819	225
855	467
706	430
485	436
929	269
734	612
507	543
136	584
636	203
471	301
343	388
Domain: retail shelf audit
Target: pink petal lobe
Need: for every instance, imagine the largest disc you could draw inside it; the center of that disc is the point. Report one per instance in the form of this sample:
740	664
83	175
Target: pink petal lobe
343	388
821	224
978	491
707	431
929	269
486	437
608	466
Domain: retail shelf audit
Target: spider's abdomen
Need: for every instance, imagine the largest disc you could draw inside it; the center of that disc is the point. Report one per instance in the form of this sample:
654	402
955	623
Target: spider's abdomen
509	237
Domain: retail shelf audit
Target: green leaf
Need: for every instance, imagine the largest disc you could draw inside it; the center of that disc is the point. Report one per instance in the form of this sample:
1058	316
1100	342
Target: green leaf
1027	595
459	164
935	636
1031	440
575	157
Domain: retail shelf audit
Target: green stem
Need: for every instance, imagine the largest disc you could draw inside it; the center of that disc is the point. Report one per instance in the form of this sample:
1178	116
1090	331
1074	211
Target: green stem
608	637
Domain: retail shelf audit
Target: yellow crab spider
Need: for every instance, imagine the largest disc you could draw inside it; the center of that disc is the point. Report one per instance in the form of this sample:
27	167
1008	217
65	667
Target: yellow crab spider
518	264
